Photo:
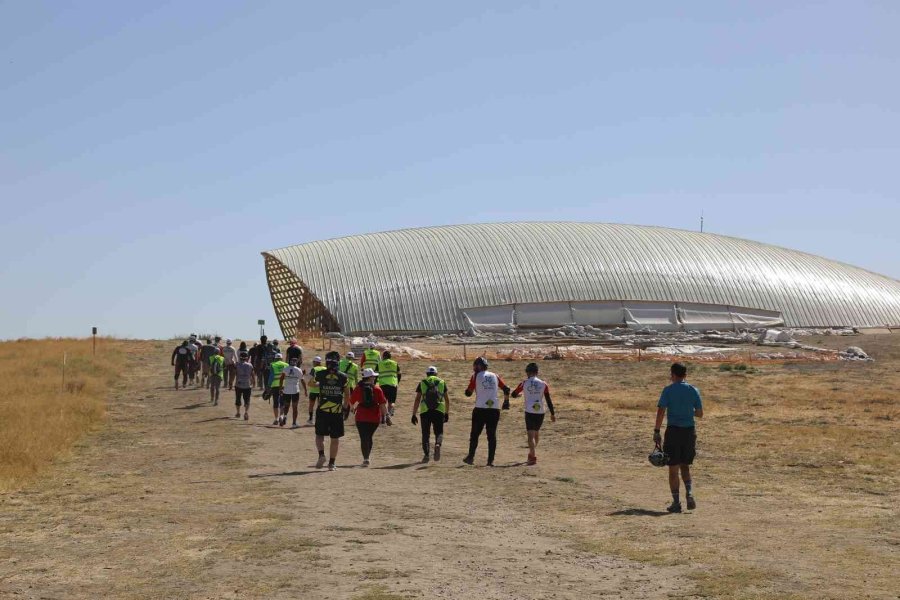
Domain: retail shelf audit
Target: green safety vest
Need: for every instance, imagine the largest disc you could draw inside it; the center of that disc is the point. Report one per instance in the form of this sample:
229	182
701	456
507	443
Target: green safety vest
351	370
441	388
372	358
387	372
277	367
217	366
313	384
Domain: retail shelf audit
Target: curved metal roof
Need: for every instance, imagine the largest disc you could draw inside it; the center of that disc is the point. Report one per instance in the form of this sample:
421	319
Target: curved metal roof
420	279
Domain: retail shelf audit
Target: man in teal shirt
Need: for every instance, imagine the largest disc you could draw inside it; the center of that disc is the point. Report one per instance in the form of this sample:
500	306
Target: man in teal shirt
680	402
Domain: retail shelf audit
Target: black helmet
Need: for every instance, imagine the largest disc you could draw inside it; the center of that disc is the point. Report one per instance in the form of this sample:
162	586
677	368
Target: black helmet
531	368
658	458
244	355
480	362
333	355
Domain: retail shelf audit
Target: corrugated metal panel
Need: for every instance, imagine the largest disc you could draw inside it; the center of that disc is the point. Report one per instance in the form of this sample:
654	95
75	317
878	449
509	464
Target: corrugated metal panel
425	276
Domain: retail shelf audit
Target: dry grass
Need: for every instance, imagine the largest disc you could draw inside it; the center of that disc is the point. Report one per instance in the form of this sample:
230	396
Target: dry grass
42	415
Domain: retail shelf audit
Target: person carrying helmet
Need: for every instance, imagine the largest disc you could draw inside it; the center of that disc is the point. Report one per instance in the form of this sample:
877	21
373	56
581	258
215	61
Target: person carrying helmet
680	403
291	381
244	378
334	400
275	390
231	359
348	367
370	358
181	360
389	378
486	414
216	376
206	352
537	402
371	409
313	387
432	408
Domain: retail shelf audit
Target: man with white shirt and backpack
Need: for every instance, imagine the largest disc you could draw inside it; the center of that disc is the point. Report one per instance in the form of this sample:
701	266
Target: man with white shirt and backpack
486	414
537	402
291	380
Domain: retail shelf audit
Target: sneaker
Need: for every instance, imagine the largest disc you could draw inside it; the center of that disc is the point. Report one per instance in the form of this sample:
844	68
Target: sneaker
309	423
321	462
532	460
691	503
294	425
246	416
469	460
237	415
675	507
490	464
391	411
365	463
275	422
332	467
425	459
437	453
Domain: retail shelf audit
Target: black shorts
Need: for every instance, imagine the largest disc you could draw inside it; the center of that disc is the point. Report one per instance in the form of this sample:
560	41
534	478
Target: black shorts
287	399
533	421
390	393
329	424
313	396
680	444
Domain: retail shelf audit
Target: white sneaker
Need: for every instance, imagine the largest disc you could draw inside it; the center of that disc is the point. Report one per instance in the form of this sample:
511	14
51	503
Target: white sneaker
332	467
310	422
320	463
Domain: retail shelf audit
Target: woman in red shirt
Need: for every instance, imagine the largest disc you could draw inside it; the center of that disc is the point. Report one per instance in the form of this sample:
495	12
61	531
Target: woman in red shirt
371	409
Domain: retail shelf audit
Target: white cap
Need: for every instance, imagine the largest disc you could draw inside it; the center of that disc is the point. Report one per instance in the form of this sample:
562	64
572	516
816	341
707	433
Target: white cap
278	355
369	373
228	341
351	355
317	359
431	371
371	344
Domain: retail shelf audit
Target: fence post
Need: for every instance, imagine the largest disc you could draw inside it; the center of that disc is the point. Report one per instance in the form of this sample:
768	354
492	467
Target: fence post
465	354
65	355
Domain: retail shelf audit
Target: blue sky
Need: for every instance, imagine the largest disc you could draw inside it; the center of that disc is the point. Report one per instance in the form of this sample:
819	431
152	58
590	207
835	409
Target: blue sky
150	150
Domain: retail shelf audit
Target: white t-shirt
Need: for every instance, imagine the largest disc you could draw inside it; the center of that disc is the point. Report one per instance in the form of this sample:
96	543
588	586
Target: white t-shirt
230	355
485	385
292	376
533	389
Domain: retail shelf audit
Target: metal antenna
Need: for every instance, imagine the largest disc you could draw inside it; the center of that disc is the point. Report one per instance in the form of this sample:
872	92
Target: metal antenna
701	221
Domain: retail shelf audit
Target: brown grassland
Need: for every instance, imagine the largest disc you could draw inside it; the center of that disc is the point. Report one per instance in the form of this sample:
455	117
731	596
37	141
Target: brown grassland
797	480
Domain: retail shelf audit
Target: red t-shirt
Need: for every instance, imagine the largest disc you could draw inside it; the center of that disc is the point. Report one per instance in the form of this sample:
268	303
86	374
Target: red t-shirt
368	415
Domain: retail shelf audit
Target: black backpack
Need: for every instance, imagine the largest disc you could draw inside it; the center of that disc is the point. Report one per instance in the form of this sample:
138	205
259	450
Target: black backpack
368	397
432	394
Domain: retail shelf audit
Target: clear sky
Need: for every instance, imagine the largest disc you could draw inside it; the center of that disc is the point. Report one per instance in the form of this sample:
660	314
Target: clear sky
150	150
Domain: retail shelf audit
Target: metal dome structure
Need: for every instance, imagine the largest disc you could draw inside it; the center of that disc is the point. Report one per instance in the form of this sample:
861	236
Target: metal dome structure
462	277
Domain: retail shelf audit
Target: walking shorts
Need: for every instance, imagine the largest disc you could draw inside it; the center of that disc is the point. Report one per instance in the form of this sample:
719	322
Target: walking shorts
287	399
329	424
680	444
390	393
533	421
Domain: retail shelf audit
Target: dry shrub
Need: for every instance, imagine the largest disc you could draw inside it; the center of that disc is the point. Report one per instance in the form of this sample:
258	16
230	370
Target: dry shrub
42	415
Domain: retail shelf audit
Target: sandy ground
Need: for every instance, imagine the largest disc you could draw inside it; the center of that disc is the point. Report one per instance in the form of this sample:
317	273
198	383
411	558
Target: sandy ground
177	499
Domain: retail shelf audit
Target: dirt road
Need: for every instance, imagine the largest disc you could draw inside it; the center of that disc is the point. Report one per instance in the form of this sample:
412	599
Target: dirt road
177	499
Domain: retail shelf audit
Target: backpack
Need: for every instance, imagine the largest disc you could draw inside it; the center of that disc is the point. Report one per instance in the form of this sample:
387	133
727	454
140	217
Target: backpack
432	395
368	397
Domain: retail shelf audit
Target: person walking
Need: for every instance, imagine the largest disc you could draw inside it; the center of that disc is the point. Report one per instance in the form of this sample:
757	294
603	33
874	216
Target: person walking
215	377
255	358
370	409
274	388
389	378
348	367
267	354
486	414
194	345
680	403
334	399
312	387
181	360
231	359
432	408
244	378
294	351
206	352
291	381
370	358
537	402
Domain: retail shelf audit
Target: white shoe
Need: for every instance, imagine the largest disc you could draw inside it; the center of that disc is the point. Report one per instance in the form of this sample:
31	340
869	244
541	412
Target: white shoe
332	467
365	463
320	463
310	422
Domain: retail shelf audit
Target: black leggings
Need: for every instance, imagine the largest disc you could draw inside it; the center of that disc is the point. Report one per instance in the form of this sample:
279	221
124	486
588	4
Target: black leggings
366	431
435	419
484	418
242	394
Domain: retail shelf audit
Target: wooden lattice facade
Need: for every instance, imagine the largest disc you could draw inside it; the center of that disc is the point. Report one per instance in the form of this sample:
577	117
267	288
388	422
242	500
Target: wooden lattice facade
298	311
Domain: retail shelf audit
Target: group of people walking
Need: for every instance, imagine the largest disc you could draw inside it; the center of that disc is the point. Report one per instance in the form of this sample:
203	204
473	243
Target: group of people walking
368	390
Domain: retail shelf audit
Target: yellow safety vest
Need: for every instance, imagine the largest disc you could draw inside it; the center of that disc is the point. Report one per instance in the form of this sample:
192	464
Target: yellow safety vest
313	387
387	372
372	357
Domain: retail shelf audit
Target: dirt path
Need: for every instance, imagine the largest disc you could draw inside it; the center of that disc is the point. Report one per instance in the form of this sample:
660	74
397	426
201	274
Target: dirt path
176	499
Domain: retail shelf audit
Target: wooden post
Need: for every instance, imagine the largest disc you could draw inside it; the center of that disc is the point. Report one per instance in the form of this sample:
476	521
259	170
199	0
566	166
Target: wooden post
65	355
639	358
465	354
94	336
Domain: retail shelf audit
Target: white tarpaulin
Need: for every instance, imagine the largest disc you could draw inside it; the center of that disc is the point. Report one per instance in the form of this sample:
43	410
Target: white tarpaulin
550	314
753	318
598	314
490	317
653	315
704	316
